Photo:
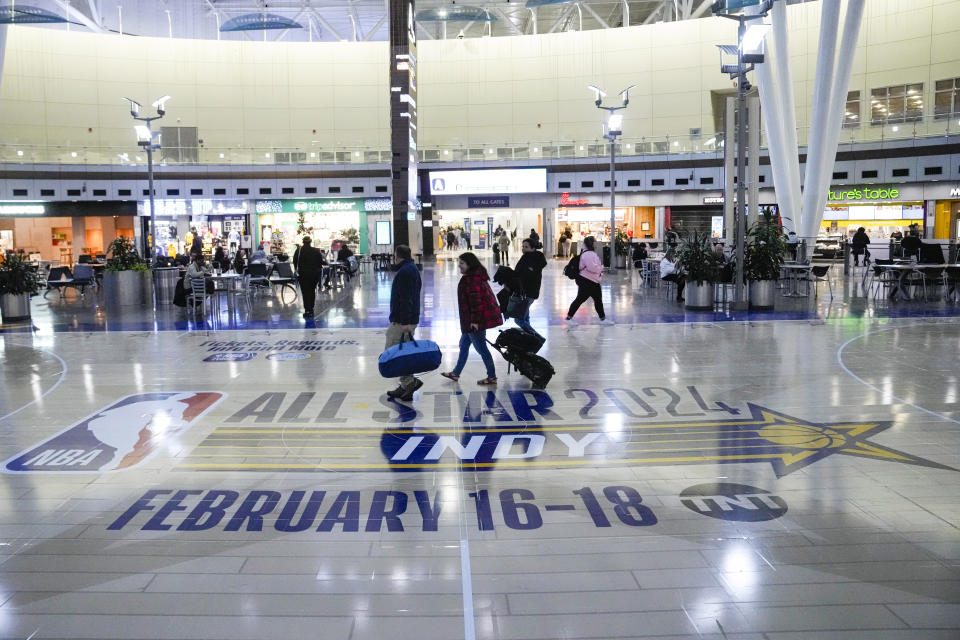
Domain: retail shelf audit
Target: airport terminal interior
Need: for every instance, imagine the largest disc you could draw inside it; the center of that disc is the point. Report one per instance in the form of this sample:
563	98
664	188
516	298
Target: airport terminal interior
756	437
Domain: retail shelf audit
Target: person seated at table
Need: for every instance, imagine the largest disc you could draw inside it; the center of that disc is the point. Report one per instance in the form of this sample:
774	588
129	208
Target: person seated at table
792	243
197	269
639	254
259	256
670	273
859	244
344	253
240	261
220	259
911	244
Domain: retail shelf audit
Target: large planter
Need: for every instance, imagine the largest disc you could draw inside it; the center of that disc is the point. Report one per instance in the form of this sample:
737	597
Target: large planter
123	288
698	295
14	306
621	261
762	294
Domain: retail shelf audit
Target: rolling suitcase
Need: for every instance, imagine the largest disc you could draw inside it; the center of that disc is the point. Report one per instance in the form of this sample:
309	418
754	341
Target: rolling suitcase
520	340
531	366
408	358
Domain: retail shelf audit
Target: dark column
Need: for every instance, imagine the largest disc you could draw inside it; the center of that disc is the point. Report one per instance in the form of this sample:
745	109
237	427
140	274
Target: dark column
426	213
403	118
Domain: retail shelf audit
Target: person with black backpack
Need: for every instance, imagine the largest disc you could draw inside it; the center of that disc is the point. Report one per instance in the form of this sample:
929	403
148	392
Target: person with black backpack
587	270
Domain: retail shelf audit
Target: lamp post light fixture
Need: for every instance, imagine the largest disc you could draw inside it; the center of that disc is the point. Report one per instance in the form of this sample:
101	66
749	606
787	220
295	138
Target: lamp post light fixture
749	52
149	140
612	128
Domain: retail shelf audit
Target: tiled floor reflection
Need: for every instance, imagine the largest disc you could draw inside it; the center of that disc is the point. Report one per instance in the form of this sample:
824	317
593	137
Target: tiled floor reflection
766	478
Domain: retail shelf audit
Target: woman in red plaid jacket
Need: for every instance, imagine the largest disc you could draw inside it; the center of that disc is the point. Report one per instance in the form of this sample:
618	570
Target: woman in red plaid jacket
479	311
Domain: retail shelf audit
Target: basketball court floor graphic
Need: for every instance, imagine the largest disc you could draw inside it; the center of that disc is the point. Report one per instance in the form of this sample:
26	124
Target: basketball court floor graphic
763	480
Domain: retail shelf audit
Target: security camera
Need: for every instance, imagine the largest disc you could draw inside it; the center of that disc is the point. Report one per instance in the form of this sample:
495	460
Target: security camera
460	35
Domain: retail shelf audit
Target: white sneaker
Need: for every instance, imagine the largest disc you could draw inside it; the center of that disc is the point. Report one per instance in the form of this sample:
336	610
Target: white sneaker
607	322
571	322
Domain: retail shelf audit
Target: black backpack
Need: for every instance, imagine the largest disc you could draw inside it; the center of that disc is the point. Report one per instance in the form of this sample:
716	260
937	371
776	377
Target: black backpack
572	270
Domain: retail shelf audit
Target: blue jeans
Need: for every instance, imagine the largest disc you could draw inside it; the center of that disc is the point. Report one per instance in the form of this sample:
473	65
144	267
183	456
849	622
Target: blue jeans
479	341
524	322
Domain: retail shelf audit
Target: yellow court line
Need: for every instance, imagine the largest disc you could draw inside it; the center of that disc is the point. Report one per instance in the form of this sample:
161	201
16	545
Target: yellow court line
505	463
532	427
304	446
248	455
744	446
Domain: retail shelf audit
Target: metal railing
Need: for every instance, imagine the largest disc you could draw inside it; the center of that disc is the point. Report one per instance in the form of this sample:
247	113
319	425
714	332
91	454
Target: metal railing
712	144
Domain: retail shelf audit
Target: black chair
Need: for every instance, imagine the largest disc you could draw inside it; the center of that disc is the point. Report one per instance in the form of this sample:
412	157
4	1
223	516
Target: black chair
931	254
83	277
819	274
85	258
951	279
101	257
59	278
258	273
283	276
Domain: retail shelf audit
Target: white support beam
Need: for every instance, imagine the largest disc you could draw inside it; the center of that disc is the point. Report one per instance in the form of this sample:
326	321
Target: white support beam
95	11
355	18
375	27
561	19
699	11
603	23
625	22
80	16
657	12
514	29
327	25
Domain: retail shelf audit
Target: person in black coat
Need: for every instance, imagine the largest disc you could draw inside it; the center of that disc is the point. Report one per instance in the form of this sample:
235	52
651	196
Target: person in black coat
859	244
404	313
535	237
529	271
308	262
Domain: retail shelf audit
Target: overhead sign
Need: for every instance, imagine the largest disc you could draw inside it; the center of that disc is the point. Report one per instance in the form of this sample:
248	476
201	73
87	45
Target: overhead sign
714	200
567	201
488	181
863	193
22	210
488	202
314	206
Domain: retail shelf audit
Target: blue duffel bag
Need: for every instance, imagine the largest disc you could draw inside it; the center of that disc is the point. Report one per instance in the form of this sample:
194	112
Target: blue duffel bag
408	358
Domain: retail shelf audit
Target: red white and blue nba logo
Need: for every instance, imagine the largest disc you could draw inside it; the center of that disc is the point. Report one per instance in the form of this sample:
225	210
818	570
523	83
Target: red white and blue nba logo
118	437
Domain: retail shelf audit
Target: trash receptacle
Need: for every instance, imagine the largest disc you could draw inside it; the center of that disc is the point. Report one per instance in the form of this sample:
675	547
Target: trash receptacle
606	256
165	283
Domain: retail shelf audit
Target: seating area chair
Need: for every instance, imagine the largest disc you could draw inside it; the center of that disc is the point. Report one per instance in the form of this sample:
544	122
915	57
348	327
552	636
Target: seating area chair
85	258
198	294
258	273
283	276
882	280
820	274
83	277
58	278
951	279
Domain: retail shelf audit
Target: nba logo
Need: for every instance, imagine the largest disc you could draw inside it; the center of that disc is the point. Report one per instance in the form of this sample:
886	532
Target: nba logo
439	185
121	436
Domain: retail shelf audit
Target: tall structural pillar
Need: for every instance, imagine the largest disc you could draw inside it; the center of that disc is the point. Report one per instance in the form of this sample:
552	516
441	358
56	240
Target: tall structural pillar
403	119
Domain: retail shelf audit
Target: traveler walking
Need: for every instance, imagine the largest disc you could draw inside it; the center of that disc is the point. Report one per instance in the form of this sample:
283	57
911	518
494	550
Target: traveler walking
529	270
535	237
308	261
479	311
404	313
588	281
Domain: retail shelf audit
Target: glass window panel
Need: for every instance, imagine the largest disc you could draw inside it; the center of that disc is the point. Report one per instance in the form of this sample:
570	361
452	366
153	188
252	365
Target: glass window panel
896	91
895	108
943	104
944	84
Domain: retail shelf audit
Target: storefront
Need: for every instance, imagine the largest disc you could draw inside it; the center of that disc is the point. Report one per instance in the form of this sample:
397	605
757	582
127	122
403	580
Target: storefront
482	222
881	210
61	232
578	218
177	221
282	223
947	216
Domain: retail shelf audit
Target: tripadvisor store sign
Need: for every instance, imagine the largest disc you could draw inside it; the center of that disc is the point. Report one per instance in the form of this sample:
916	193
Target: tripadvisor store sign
325	205
863	194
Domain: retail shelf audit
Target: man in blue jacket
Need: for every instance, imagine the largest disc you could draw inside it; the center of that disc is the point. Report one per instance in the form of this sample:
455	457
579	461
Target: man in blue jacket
404	313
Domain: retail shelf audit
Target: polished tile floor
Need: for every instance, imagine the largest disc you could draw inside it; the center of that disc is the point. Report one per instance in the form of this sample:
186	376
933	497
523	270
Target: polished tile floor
781	476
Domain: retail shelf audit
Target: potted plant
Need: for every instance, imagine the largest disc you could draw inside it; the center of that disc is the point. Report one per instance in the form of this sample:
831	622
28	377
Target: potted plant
126	278
18	281
763	259
622	246
701	269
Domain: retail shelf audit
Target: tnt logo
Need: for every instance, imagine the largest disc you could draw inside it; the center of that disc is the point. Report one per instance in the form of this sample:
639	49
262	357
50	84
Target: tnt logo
736	502
119	436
